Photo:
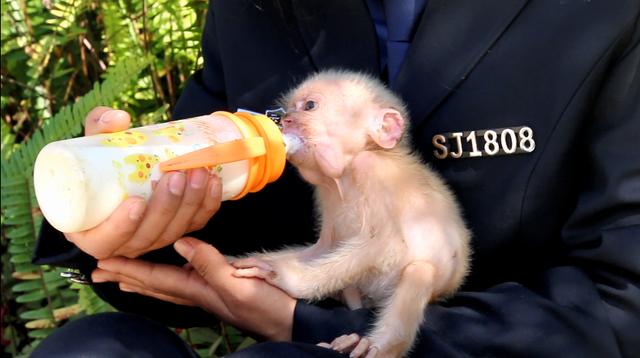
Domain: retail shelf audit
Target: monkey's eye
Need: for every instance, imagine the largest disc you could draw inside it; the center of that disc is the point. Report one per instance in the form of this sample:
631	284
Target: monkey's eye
310	105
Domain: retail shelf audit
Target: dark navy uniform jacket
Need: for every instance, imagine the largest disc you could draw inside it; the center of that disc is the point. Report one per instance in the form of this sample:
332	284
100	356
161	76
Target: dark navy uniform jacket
531	112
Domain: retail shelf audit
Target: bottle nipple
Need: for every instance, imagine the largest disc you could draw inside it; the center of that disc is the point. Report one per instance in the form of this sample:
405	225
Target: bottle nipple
291	143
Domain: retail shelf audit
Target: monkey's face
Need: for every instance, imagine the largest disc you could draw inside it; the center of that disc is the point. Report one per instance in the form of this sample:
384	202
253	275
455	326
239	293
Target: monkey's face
328	117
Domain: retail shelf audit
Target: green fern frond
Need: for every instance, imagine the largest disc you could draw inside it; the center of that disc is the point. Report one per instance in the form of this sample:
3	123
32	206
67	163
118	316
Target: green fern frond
68	122
55	53
89	301
21	216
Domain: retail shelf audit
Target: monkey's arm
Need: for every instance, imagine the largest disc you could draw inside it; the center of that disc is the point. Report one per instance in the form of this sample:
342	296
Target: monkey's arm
321	275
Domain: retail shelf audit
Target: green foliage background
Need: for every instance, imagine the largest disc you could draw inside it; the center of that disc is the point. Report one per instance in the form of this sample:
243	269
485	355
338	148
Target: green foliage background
60	59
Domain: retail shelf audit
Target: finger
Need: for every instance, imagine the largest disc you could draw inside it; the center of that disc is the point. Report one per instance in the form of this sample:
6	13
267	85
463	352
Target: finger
129	284
212	266
255	272
373	352
102	241
345	343
191	204
162	279
210	205
323	345
250	262
106	120
119	269
361	348
161	210
143	291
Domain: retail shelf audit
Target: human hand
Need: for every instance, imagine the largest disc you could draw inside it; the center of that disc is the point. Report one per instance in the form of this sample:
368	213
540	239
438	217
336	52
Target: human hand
181	203
249	304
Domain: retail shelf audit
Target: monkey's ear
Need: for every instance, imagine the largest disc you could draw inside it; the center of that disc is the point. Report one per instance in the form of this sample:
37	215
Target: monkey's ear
387	128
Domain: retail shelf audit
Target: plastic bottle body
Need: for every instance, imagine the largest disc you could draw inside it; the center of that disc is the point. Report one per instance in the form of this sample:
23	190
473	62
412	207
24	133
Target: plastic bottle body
80	182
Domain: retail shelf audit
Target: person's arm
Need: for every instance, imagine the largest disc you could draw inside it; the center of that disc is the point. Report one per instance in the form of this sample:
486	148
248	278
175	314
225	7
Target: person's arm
53	248
587	306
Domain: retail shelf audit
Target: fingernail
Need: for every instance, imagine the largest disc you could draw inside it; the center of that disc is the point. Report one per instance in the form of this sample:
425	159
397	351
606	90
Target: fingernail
109	115
136	210
177	183
184	248
216	187
197	178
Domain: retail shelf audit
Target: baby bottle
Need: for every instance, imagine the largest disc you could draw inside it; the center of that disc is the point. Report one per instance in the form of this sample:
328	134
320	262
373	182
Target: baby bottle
79	182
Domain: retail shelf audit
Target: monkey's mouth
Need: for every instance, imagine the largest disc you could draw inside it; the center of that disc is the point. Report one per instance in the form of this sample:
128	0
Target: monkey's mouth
292	143
299	155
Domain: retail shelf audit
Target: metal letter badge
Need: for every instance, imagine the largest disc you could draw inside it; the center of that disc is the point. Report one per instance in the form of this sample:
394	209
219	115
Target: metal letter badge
276	115
273	114
486	142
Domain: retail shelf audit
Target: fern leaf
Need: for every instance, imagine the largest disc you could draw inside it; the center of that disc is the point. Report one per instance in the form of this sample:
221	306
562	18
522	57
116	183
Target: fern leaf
31	296
21	270
43	317
19	233
18	164
41	333
24	239
19	249
27	286
18	220
14	200
14	181
17	210
68	122
20	258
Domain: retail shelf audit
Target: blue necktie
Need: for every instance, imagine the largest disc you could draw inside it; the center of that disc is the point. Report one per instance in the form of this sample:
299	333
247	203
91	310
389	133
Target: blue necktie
402	16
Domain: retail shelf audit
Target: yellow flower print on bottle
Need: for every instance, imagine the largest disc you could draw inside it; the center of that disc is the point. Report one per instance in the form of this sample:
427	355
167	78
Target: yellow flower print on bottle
124	139
173	132
143	163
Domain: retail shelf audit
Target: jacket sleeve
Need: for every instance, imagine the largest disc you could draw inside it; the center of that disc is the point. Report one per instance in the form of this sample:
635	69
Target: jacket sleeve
202	94
588	305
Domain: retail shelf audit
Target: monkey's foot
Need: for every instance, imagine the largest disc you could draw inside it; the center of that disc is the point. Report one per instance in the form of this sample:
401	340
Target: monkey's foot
254	267
353	345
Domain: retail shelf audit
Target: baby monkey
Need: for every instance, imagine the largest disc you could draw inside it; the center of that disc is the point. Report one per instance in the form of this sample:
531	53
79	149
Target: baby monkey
392	237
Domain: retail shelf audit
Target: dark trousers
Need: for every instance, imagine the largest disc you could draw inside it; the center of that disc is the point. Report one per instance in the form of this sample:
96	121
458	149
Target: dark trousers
125	335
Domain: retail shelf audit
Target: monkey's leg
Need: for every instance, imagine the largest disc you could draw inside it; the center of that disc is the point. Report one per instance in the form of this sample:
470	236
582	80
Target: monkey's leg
396	328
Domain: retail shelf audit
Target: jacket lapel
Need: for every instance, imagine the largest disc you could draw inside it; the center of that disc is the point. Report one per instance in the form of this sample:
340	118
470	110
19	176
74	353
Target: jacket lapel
452	38
351	40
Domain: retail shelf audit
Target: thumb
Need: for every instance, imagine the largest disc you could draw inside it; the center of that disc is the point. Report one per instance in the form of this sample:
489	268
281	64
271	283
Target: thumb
204	258
106	120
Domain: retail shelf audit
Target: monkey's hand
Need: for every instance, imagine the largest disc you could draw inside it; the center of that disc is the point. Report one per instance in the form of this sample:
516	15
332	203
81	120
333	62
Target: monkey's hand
274	272
353	345
254	267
